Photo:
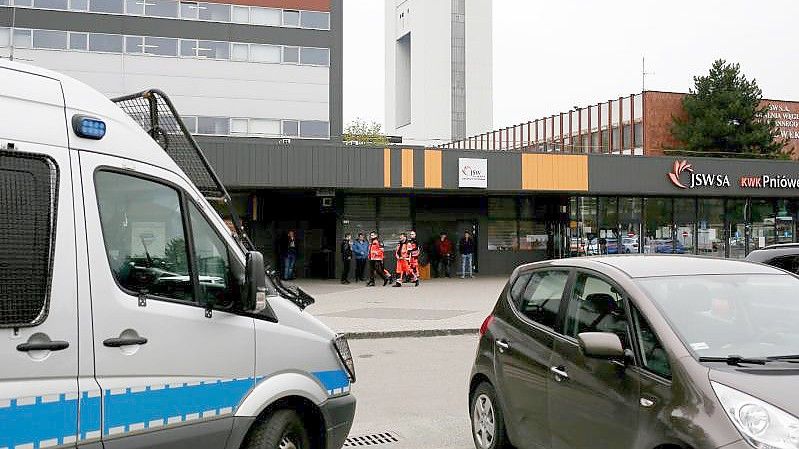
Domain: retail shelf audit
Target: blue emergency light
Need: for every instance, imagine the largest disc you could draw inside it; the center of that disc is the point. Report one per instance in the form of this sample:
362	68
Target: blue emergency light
88	127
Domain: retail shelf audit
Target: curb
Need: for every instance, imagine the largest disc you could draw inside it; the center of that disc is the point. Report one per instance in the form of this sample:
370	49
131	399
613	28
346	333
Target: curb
409	333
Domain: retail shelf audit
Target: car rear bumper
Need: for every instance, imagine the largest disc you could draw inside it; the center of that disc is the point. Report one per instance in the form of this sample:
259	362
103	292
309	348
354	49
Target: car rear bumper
338	413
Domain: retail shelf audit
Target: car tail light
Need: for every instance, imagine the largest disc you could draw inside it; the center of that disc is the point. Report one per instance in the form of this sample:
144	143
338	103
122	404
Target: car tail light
344	353
486	323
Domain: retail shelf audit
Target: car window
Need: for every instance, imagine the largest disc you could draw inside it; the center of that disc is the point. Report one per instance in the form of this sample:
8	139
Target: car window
653	356
541	298
144	236
518	288
787	263
596	306
213	262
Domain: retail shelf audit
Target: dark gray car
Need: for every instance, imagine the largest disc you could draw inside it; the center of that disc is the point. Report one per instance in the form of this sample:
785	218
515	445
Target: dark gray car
644	352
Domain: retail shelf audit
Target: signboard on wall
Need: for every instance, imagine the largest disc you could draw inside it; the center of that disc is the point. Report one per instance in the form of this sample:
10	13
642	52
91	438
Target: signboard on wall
473	173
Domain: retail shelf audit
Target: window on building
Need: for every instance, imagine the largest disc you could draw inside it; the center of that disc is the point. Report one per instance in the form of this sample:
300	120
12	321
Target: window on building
78	41
502	225
265	127
5	37
264	53
134	45
161	8
238	126
191	123
216	12
239	52
51	4
79	5
265	16
22	38
162	46
315	56
315	129
188	47
710	236
189	10
107	6
315	19
213	50
291	55
291	128
21	2
49	39
134	7
3	2
542	295
213	125
144	236
737	219
240	14
112	43
291	18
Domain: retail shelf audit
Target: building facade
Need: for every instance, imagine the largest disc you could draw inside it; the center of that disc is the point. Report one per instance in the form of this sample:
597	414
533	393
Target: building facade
233	68
438	69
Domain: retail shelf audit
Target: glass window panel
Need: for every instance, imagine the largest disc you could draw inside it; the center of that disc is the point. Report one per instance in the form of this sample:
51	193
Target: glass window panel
79	5
22	38
110	6
144	237
112	43
315	19
265	126
56	40
3	2
653	355
291	18
736	219
542	296
764	221
134	7
51	4
501	208
240	52
314	129
162	46
214	49
638	113
785	221
215	11
161	8
238	126
684	220
188	10
502	235
241	14
188	47
658	237
5	37
291	55
78	41
265	16
710	235
264	53
291	128
213	125
22	2
596	306
217	285
630	216
532	236
134	44
191	123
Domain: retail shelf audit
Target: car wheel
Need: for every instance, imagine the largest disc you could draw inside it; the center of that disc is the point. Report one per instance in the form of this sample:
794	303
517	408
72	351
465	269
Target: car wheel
488	425
283	429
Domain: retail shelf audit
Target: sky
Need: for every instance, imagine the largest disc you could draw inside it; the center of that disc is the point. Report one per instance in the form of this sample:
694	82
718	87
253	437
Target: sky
550	56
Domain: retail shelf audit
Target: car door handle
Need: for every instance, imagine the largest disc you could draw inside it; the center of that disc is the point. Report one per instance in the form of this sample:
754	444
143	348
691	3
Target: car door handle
43	346
502	345
117	342
560	373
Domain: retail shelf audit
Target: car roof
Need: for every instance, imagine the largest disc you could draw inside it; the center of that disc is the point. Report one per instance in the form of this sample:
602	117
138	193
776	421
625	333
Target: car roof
652	265
773	251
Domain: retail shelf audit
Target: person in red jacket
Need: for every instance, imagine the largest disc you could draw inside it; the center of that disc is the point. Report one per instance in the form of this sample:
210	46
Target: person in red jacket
444	252
403	256
415	252
376	261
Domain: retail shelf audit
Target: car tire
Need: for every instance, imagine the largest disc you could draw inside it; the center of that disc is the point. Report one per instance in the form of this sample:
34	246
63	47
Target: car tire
487	416
283	429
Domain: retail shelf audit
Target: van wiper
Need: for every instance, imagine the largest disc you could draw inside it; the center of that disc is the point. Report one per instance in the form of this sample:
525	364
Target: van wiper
734	360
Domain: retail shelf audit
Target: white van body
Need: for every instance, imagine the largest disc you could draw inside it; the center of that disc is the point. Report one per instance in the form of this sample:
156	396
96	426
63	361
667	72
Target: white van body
127	369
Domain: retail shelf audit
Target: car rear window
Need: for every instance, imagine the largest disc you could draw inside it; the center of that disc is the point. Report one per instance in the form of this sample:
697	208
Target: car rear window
28	193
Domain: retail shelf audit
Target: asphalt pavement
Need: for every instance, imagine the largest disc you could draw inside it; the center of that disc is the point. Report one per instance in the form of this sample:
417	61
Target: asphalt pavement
415	390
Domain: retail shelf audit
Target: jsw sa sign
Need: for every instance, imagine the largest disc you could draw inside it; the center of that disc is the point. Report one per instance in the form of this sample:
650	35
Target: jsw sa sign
473	173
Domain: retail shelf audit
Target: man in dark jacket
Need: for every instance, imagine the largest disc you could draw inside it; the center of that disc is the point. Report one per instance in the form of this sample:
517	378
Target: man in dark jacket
466	248
346	258
289	249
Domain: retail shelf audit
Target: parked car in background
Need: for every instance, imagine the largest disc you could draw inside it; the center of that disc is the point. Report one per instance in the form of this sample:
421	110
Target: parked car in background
639	352
669	246
630	245
785	256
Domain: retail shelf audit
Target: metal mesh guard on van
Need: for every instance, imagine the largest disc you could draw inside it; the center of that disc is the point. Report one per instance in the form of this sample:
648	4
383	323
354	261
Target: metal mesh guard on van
154	112
28	196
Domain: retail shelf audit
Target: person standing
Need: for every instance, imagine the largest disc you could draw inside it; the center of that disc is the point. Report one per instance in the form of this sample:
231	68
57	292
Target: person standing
415	251
403	256
360	249
376	261
346	258
289	250
467	254
444	253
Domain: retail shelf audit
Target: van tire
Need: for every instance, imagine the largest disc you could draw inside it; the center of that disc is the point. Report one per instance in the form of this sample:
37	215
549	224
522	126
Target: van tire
500	436
279	425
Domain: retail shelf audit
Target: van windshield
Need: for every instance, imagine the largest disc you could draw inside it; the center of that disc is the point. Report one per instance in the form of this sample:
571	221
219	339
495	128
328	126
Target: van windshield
721	315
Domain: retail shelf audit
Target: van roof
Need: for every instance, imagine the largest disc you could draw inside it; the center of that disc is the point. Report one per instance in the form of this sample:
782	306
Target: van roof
124	137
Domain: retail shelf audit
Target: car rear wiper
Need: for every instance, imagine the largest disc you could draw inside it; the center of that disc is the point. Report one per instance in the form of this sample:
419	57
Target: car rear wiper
734	360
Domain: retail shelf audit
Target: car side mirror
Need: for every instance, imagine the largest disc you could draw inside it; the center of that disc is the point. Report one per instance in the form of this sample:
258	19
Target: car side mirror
255	280
601	345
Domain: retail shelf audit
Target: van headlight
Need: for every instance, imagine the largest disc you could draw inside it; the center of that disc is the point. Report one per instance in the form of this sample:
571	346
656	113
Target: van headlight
762	425
344	353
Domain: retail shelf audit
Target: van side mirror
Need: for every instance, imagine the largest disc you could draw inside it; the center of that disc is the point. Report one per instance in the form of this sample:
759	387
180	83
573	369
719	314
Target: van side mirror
255	278
601	345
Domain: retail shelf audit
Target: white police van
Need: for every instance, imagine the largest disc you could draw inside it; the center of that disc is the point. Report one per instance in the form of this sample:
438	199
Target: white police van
130	317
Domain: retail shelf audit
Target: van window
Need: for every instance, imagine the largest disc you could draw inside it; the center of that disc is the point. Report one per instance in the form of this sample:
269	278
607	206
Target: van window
217	285
144	235
596	306
28	193
541	299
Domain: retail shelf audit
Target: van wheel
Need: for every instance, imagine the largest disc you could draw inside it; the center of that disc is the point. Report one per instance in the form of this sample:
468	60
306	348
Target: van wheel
488	424
283	429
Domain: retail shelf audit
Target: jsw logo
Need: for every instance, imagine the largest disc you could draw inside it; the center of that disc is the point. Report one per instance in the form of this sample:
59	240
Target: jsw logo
696	179
469	171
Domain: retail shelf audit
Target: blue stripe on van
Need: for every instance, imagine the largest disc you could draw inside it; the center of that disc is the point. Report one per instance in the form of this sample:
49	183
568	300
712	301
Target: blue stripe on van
89	416
38	421
333	380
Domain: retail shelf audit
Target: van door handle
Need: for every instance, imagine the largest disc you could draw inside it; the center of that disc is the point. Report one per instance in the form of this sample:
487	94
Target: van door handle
43	346
560	373
502	345
117	342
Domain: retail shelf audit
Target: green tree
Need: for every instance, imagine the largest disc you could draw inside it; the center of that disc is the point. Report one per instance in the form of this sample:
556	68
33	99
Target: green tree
364	132
724	117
